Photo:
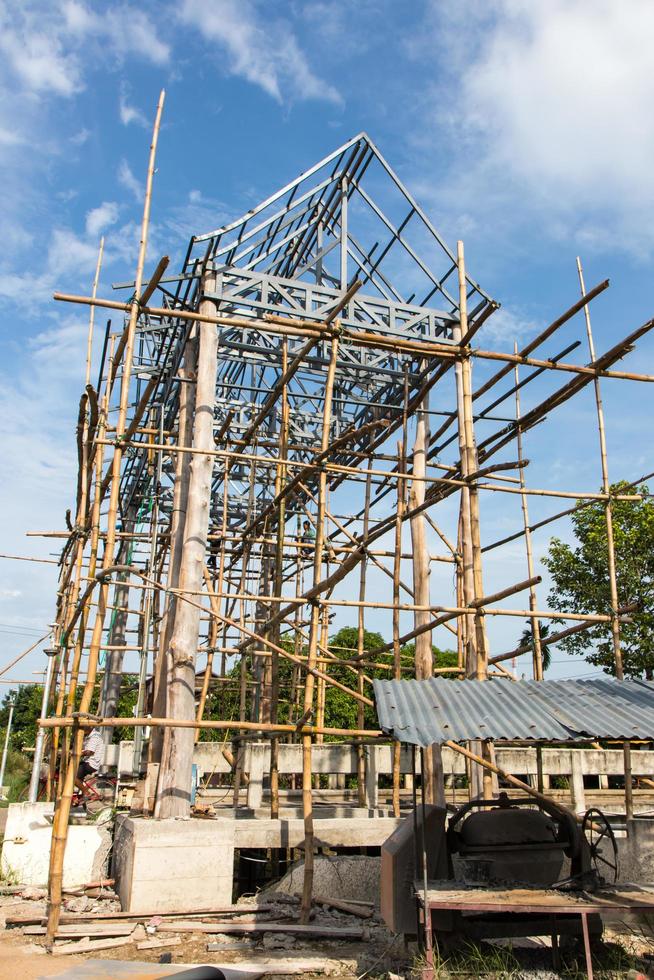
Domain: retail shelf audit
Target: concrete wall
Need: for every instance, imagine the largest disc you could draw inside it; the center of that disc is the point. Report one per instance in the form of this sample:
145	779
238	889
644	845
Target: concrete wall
26	848
338	761
167	865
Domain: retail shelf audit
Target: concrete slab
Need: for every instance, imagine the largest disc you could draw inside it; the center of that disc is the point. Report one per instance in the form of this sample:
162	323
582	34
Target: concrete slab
334	832
26	847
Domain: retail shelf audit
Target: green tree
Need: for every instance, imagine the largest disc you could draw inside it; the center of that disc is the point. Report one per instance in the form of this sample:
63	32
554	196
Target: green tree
581	581
26	714
527	637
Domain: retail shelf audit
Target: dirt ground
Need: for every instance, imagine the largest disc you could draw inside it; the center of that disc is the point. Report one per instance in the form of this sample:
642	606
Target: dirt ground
21	956
625	951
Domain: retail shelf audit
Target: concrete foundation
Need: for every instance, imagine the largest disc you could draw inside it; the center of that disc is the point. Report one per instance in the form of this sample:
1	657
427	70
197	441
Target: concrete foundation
636	851
168	865
26	848
172	865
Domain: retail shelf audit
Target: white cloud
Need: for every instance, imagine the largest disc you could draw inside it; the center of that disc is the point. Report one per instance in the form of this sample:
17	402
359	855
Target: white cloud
125	28
505	326
80	137
9	138
550	107
129	181
105	215
261	49
130	113
38	59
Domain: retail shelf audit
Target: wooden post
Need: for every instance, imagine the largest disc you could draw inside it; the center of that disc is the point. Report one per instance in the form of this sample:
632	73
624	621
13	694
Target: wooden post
187	375
432	773
307	801
473	589
278	582
397	664
613	580
174	785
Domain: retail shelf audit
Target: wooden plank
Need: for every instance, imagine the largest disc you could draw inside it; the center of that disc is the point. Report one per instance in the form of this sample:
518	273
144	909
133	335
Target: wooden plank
84	929
70	949
159	943
291	929
69	917
274	967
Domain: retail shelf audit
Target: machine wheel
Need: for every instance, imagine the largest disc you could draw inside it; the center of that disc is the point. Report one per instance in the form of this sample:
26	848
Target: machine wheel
602	845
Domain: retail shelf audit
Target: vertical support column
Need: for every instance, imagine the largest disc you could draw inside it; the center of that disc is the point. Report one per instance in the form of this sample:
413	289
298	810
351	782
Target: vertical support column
174	786
278	583
473	589
187	376
613	581
432	776
307	801
361	625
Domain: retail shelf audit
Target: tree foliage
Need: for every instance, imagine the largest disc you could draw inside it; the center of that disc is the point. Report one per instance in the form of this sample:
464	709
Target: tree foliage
527	637
27	711
581	580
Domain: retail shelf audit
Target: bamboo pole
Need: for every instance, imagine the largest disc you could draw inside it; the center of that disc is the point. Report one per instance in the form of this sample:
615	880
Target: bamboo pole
280	479
397	665
83	721
535	623
361	626
610	545
62	811
307	801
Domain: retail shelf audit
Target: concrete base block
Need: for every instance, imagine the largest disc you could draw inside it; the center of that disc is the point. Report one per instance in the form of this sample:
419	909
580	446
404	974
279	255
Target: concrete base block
173	865
636	851
26	848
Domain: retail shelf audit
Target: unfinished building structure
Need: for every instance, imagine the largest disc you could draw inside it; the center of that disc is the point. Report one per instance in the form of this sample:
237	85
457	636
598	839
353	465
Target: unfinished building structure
262	450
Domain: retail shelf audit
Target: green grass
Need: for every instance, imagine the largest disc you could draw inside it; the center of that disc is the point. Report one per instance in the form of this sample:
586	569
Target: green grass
610	960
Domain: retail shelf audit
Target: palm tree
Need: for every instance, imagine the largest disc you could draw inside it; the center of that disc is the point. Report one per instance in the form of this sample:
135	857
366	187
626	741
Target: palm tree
527	638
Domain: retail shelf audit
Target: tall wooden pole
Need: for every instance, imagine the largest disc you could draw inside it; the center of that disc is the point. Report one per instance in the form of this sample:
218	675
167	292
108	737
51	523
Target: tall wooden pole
610	546
432	775
363	568
307	800
397	662
533	602
472	581
175	772
187	376
278	581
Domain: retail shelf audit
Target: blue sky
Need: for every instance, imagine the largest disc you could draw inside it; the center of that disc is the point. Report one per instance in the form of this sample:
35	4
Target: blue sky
524	128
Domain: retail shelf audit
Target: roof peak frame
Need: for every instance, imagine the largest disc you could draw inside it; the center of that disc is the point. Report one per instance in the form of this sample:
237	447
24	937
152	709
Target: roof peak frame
348	216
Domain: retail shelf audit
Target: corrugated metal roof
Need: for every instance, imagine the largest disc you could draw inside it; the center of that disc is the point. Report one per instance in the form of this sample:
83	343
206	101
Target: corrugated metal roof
437	710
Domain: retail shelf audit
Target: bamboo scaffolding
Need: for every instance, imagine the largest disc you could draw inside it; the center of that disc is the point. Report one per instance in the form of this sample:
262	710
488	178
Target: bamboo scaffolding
62	811
278	427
